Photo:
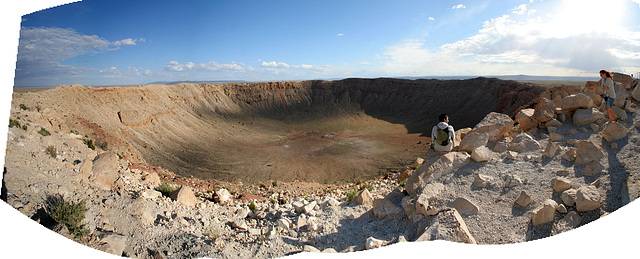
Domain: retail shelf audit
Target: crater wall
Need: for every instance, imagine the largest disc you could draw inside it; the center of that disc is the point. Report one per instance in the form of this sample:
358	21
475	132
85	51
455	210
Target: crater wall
323	131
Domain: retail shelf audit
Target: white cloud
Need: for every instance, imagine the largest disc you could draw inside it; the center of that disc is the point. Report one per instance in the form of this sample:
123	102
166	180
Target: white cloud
110	70
431	18
522	10
128	41
274	64
340	34
211	67
459	6
41	51
562	42
56	44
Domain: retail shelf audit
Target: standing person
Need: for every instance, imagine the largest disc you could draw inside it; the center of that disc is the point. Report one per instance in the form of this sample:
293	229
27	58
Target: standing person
442	135
609	92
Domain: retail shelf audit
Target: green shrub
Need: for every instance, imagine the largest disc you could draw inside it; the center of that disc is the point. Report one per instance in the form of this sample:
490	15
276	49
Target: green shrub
102	145
23	107
52	151
213	232
68	213
252	207
89	143
274	183
14	123
352	193
44	132
403	181
24	127
166	188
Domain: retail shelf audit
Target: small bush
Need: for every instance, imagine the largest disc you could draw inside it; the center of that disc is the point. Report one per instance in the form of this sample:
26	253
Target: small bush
274	183
14	123
23	107
24	127
52	151
252	207
403	182
119	156
68	213
213	232
44	132
166	188
102	145
89	143
352	193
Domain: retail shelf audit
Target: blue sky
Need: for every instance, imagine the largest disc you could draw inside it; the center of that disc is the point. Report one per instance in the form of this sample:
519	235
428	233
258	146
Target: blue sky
108	42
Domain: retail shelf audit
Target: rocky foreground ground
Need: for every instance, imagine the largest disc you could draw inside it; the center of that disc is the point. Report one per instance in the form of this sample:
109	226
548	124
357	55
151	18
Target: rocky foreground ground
558	166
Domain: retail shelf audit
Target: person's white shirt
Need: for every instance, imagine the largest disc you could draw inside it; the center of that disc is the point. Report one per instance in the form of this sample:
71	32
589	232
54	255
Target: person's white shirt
434	134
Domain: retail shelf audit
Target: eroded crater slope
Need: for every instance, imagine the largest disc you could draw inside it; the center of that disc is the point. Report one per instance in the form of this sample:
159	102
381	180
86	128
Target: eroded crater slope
322	131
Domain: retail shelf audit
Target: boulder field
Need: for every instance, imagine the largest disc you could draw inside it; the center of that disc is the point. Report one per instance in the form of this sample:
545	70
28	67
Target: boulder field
512	177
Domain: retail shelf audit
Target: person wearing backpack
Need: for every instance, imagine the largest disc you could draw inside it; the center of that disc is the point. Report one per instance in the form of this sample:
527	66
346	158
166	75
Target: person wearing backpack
442	135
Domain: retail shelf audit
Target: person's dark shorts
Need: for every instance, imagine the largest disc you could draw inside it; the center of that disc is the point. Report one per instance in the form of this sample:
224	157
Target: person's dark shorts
608	102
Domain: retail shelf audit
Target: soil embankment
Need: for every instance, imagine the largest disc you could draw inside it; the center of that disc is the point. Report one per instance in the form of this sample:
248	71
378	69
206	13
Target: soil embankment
322	131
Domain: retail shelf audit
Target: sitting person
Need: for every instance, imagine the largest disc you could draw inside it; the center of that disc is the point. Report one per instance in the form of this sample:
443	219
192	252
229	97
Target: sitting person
442	135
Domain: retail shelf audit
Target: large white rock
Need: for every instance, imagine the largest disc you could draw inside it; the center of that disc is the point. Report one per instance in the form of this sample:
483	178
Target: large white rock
576	101
524	199
372	243
523	117
464	206
614	131
569	196
222	196
544	214
482	181
555	136
593	168
447	225
524	143
283	223
587	151
112	243
551	149
364	198
383	208
587	198
495	124
560	184
586	116
105	170
185	196
621	95
635	93
481	154
445	164
597	99
545	111
473	140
